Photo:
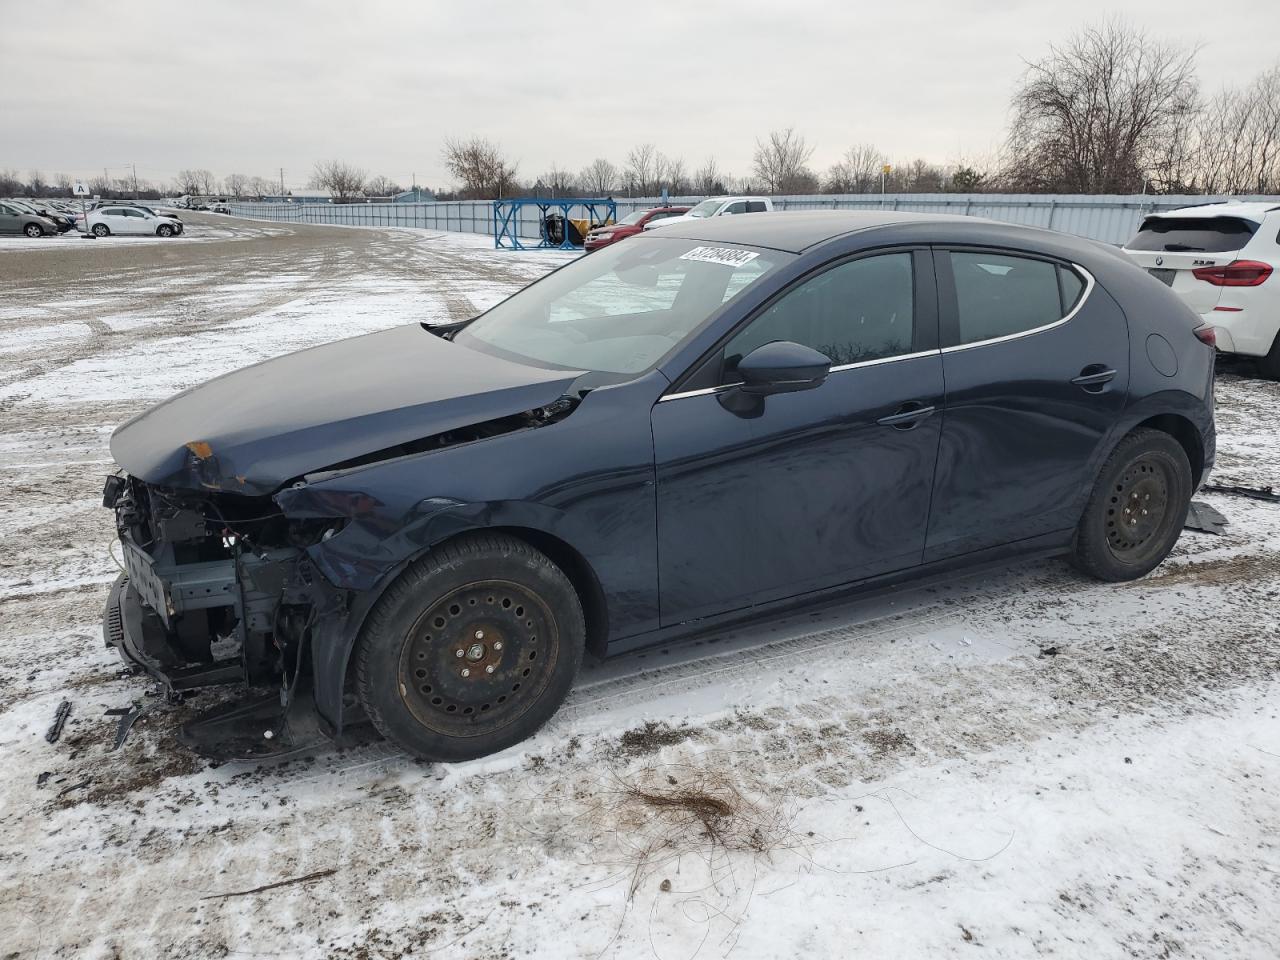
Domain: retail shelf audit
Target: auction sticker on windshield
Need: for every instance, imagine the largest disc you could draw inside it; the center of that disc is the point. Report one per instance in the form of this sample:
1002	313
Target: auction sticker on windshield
726	255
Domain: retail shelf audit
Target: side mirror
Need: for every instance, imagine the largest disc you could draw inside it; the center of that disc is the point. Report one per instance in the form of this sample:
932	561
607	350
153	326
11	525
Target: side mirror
782	367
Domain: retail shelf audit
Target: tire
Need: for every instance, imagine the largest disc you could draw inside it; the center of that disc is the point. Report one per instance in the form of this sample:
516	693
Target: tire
1121	536
485	604
164	230
1269	366
33	230
101	230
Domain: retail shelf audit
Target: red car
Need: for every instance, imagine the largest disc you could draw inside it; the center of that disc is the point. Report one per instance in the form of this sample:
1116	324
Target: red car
629	225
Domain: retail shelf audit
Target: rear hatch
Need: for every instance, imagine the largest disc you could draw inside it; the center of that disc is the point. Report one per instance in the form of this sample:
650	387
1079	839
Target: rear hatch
1171	247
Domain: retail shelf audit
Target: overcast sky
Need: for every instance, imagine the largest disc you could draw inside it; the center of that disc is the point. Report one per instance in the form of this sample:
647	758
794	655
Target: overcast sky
250	86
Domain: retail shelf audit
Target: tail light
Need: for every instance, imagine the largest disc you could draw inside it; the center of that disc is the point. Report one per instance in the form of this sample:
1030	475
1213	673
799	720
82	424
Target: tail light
1239	273
1206	334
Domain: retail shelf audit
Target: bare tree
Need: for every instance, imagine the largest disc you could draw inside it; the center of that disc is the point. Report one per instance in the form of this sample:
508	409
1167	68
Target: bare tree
598	178
63	181
709	179
36	183
341	179
1238	139
263	186
642	169
236	184
381	186
1101	113
858	171
669	172
558	182
781	161
480	167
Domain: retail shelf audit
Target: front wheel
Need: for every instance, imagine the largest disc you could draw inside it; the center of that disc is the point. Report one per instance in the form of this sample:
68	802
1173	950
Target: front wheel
1137	508
471	650
165	230
101	230
33	230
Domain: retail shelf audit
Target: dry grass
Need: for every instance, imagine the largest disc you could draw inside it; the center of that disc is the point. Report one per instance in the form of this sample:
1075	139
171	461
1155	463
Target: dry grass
654	817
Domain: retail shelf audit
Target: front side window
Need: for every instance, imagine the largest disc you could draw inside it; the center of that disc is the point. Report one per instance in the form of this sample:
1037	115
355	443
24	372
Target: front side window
856	311
739	207
622	309
999	296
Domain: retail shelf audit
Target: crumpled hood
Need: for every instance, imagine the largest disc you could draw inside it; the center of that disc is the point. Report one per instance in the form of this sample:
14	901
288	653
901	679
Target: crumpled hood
253	430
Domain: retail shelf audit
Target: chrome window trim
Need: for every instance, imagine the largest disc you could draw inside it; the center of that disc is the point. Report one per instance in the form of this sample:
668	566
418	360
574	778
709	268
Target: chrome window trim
840	369
1089	284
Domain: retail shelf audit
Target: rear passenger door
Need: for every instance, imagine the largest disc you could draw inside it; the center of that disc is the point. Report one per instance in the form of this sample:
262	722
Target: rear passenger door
1036	362
10	222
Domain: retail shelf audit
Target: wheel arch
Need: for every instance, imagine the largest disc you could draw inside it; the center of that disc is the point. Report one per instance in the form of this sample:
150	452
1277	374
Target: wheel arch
1185	432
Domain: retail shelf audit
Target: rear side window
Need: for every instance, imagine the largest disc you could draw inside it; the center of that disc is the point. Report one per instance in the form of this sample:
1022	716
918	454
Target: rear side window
1193	234
860	310
755	206
999	295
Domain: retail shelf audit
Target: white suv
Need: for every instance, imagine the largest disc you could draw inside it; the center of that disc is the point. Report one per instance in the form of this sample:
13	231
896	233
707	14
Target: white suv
1219	258
716	207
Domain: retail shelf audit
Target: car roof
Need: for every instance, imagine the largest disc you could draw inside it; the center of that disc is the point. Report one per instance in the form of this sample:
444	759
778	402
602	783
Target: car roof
1255	210
794	232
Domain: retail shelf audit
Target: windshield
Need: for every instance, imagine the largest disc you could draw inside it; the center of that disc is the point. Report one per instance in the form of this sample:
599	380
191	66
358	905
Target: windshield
1193	234
705	209
633	218
620	310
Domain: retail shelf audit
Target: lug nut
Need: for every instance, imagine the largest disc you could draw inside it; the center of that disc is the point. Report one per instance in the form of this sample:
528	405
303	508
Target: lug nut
459	652
479	634
466	672
489	668
497	645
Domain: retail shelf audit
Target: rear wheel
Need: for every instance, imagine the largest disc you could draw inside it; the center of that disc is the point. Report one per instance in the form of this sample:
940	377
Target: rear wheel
33	230
1137	508
101	230
471	650
1269	366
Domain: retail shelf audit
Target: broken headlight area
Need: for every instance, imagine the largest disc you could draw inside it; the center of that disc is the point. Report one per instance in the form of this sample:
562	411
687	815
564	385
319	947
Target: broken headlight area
217	589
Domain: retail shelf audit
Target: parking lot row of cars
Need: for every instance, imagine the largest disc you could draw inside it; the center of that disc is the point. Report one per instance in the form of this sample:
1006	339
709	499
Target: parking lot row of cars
102	218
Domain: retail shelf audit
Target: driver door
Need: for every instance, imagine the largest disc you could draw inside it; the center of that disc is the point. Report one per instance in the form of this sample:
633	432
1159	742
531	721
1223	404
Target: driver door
812	489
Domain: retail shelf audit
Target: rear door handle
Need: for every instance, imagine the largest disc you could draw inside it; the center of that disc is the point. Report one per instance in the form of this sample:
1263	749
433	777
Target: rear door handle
907	415
1094	377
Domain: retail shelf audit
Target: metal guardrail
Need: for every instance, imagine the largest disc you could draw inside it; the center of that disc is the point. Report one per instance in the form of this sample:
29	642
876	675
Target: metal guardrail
1111	219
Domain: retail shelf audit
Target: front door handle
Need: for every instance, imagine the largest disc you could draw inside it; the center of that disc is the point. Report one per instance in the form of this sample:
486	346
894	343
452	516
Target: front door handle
907	416
1094	377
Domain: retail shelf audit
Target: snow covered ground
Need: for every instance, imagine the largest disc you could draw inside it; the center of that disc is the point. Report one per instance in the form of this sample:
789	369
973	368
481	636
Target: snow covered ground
1017	760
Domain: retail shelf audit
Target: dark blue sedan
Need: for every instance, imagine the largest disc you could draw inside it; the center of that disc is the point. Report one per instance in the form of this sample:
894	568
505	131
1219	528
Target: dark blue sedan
713	421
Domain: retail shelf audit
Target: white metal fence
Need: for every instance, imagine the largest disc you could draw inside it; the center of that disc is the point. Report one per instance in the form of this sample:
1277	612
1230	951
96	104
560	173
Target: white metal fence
1111	219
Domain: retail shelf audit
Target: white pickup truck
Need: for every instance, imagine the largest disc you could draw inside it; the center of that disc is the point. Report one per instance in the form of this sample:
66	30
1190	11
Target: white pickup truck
717	207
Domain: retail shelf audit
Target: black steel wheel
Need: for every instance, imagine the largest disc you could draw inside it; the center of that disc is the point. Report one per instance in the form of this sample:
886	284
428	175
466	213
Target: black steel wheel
472	659
471	650
1137	509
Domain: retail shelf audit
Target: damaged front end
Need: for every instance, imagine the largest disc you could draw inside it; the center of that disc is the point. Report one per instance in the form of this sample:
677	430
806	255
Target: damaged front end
218	589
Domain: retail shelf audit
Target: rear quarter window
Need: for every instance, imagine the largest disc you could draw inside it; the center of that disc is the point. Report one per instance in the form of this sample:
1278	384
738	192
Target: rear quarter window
1193	234
1000	295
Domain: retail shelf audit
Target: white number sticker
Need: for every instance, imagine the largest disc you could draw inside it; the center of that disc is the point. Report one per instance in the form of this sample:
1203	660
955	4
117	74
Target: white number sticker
725	255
